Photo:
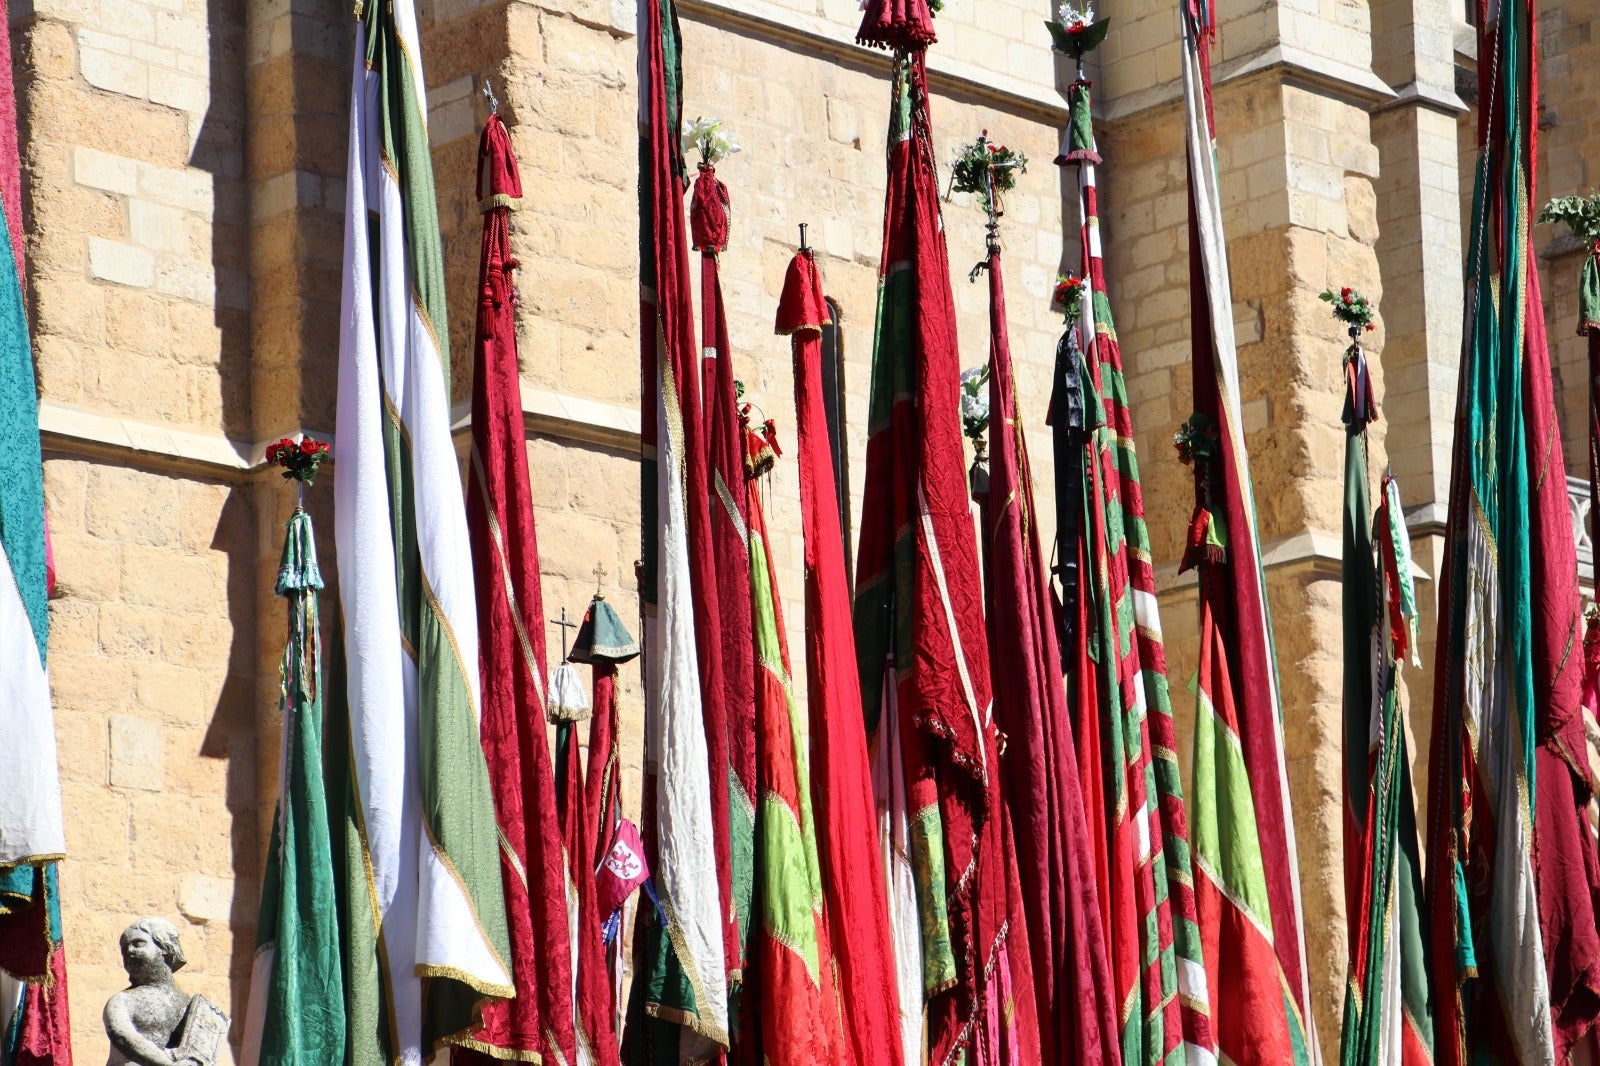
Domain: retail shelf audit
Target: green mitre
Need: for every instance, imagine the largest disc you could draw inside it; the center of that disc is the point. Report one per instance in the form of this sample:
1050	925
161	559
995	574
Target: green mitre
602	638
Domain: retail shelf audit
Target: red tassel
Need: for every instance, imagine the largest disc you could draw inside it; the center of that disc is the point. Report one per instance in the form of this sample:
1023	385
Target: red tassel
761	449
708	212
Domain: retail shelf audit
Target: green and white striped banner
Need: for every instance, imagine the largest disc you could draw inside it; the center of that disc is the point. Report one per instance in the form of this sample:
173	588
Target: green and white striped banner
425	900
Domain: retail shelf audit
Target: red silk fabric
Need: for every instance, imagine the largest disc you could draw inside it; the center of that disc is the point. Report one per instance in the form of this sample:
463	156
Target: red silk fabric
512	724
917	532
1059	886
852	872
592	1002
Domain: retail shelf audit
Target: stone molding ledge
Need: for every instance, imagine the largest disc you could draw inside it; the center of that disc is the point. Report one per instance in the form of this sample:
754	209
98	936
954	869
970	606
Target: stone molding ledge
75	431
1343	80
566	417
774	22
1563	245
1420	94
1314	550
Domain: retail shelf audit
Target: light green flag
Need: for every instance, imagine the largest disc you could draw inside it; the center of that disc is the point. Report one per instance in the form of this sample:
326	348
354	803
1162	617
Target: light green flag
296	1013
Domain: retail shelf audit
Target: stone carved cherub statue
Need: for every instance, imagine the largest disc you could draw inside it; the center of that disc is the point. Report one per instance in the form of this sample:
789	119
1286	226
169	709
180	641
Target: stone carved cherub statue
152	1022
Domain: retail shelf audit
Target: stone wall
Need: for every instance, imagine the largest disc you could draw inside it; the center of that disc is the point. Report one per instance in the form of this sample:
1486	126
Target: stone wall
151	658
135	207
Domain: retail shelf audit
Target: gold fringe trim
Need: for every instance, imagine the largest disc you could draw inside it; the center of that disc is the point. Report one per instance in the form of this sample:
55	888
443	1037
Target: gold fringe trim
499	199
568	716
485	988
31	860
455	973
504	1054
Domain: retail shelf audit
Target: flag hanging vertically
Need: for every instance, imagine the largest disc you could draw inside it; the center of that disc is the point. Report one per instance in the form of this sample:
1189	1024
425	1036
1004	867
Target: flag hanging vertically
511	661
1589	325
565	707
428	906
878	1029
792	988
1512	871
1240	715
296	1011
1255	1018
594	1010
604	643
33	966
1076	1008
1388	1014
724	438
1116	661
919	598
1572	210
678	1009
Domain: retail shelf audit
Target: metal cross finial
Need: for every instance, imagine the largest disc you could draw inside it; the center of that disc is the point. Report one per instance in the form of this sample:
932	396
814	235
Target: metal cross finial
599	572
565	625
488	94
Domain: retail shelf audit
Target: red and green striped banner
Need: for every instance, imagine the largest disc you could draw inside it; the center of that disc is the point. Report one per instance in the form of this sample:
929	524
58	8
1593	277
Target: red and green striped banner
1158	969
1072	982
793	973
1246	859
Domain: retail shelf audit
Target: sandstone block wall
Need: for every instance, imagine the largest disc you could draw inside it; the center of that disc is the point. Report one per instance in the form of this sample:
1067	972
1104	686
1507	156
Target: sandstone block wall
151	665
135	205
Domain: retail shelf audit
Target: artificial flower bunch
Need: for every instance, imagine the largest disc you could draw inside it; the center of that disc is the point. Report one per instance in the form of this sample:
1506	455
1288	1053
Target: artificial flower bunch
975	400
299	459
981	165
1580	213
706	136
1351	308
1075	19
1198	439
1068	293
1075	32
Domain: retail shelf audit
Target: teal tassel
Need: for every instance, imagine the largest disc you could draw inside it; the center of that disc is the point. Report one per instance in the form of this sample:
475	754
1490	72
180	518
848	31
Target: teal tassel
298	571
